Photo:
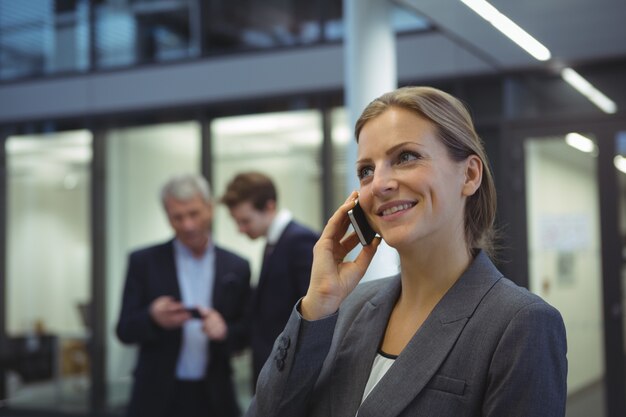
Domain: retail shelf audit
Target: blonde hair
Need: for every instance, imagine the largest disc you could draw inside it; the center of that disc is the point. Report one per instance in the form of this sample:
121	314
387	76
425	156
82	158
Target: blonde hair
455	129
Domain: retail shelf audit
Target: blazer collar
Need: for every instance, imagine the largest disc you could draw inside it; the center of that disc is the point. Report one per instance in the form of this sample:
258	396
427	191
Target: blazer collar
423	355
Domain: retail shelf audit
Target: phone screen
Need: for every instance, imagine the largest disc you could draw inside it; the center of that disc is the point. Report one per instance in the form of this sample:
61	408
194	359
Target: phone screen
362	228
195	313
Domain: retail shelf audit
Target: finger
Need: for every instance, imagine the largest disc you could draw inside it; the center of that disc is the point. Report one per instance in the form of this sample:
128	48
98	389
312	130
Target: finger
339	221
350	241
364	258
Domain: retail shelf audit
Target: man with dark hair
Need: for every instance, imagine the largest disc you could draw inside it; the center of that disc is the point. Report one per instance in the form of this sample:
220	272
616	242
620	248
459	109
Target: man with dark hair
184	306
251	198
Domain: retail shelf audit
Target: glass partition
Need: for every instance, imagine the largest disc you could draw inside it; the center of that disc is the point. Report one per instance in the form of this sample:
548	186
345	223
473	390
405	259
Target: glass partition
139	161
48	270
564	254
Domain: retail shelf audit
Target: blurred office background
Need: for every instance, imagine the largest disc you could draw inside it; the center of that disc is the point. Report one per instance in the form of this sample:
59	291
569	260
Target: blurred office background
102	100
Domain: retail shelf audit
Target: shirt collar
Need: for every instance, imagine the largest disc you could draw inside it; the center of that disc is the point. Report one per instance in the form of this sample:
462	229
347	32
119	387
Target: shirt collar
278	226
180	248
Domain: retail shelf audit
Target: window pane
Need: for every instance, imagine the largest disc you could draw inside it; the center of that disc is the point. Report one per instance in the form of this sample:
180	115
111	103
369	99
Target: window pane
139	161
49	269
43	37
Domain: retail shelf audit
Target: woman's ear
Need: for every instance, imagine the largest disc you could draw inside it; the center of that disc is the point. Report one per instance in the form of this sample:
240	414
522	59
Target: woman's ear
473	175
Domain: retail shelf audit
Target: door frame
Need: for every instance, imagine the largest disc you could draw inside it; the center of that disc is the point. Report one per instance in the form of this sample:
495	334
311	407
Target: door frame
514	218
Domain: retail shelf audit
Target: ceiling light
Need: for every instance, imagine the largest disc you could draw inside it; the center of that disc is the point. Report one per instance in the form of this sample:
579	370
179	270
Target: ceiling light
509	29
585	88
620	163
580	142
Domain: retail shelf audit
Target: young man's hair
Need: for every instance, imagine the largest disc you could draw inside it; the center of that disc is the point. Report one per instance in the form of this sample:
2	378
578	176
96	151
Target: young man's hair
255	187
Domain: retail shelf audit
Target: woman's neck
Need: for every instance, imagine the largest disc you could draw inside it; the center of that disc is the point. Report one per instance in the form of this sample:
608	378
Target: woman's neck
427	274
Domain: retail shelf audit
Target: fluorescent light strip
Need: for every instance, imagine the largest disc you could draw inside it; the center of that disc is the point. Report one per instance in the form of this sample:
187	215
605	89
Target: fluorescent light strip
620	163
509	29
585	88
580	142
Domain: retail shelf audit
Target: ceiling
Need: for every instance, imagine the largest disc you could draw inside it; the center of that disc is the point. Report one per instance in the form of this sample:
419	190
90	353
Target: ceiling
575	31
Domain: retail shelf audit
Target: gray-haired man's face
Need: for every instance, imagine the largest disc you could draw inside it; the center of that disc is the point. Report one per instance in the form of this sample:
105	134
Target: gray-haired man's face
191	221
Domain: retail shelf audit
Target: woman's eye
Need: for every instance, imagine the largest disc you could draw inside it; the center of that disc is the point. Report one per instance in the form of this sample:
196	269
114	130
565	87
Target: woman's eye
407	156
364	172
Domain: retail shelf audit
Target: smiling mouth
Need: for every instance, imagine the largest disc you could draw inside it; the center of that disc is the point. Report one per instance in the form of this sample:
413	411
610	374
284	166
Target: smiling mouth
395	209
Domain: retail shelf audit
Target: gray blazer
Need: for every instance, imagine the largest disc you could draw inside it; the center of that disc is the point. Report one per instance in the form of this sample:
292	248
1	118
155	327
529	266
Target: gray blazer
489	348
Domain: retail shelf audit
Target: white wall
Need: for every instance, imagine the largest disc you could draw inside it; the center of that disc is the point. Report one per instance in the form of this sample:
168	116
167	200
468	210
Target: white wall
563	221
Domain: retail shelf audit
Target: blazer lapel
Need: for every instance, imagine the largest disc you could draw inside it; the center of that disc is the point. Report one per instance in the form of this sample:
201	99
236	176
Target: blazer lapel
220	271
358	348
430	345
169	273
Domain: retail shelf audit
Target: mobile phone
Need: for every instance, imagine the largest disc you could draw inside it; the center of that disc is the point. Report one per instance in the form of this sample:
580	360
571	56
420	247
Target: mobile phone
362	228
195	313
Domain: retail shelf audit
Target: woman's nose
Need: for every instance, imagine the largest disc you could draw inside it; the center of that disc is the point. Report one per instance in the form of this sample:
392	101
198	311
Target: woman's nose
384	182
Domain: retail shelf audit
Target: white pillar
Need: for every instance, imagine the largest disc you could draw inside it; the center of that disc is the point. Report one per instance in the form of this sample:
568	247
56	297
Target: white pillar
370	70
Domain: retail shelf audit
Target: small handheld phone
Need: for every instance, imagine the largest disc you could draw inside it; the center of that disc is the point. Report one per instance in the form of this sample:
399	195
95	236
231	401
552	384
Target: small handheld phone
195	313
362	228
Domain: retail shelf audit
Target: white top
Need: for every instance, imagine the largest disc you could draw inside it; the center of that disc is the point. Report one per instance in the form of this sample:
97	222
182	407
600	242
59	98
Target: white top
381	365
276	229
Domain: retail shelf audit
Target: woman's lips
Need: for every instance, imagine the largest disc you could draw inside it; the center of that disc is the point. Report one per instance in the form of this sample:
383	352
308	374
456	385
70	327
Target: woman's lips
392	208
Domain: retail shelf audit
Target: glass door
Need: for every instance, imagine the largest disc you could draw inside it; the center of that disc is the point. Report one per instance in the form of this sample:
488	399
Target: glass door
564	255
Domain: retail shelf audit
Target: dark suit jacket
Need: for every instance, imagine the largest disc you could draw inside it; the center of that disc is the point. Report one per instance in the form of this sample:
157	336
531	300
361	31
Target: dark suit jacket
489	348
284	279
152	273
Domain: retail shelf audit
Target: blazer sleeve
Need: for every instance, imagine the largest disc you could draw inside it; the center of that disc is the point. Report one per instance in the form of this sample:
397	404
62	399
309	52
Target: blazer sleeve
528	371
287	380
135	324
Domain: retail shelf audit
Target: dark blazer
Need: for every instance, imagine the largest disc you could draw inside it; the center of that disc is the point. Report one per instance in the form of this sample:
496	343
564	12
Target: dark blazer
152	273
489	348
284	279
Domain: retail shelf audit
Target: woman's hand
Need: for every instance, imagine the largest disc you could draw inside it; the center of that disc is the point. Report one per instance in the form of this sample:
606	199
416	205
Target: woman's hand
332	279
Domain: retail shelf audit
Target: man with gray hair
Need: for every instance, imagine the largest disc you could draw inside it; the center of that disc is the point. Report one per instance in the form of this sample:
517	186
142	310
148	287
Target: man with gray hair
183	305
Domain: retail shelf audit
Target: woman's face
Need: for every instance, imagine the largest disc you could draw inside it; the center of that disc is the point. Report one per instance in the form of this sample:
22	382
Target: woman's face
410	189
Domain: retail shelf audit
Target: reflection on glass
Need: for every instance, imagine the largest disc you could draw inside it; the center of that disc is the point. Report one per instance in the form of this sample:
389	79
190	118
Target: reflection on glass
48	270
402	21
130	32
139	161
43	37
261	24
564	254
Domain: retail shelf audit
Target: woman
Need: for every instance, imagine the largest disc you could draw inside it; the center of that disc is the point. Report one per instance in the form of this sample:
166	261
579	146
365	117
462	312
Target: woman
448	336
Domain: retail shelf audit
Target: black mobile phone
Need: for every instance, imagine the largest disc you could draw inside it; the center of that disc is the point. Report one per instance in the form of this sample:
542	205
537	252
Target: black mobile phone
195	313
362	228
